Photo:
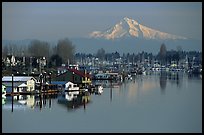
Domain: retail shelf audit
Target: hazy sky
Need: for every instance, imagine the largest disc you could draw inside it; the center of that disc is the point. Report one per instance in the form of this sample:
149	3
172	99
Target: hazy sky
53	21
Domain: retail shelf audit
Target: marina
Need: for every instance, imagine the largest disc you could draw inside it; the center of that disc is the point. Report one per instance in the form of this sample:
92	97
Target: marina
128	67
132	107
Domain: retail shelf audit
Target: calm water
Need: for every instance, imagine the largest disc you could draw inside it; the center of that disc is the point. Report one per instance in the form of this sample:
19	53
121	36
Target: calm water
151	103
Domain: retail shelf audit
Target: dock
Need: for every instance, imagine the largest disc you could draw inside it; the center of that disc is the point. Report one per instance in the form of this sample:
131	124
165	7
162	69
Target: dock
32	92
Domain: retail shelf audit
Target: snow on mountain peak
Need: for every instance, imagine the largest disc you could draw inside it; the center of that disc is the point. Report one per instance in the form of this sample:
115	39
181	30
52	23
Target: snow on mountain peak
129	20
130	27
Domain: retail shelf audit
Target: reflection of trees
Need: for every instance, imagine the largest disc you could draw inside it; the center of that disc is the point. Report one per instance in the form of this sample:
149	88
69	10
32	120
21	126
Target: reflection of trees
177	79
174	77
139	81
107	83
163	79
194	76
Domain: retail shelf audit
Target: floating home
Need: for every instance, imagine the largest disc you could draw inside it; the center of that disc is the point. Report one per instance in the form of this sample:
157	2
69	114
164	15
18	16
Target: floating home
20	83
74	75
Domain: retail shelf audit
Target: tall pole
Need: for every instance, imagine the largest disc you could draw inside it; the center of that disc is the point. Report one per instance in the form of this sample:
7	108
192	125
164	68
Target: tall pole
40	83
73	77
45	76
40	91
12	93
12	83
40	65
50	77
49	101
84	101
111	96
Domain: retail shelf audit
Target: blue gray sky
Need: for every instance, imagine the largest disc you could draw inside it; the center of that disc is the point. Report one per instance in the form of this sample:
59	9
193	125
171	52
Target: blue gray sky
56	20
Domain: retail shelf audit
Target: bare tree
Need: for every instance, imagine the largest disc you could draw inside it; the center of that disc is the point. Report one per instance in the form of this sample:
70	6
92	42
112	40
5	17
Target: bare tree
101	54
10	49
5	51
65	50
39	48
15	49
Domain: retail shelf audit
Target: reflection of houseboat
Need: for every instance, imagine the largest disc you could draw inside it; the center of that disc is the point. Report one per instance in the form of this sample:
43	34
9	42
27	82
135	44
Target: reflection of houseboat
28	100
3	91
70	96
23	102
71	87
72	101
99	89
3	94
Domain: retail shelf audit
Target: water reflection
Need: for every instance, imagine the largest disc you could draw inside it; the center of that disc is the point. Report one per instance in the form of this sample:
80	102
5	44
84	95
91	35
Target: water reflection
134	107
73	101
140	85
172	77
15	103
175	78
28	101
194	76
163	80
108	83
44	100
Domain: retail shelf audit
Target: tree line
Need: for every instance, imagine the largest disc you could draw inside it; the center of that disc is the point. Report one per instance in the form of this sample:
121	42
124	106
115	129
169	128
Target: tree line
60	53
64	52
164	56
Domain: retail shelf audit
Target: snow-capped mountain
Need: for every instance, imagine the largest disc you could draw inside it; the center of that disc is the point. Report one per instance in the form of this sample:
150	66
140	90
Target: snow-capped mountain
128	27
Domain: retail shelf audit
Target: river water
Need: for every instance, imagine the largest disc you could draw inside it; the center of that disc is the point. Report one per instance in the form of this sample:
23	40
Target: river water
156	103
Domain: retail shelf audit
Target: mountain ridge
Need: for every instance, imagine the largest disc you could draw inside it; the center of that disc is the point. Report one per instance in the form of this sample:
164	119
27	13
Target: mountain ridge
128	27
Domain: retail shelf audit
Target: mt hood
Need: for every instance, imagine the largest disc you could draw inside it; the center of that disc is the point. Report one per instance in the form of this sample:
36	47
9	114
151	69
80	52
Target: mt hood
130	28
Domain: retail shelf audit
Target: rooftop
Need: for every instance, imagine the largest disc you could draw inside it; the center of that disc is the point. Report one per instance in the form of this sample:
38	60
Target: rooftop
17	78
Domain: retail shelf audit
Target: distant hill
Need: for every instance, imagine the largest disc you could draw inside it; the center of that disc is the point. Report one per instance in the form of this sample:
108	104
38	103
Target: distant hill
17	42
23	42
123	45
132	45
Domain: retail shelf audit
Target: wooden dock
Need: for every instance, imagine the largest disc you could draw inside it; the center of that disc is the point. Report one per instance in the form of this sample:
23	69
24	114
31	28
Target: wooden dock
33	92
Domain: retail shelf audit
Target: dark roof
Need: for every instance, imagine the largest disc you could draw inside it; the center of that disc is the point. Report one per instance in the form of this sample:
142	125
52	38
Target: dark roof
78	72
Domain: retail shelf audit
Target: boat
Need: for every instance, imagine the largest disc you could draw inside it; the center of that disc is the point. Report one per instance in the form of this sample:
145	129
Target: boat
71	87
